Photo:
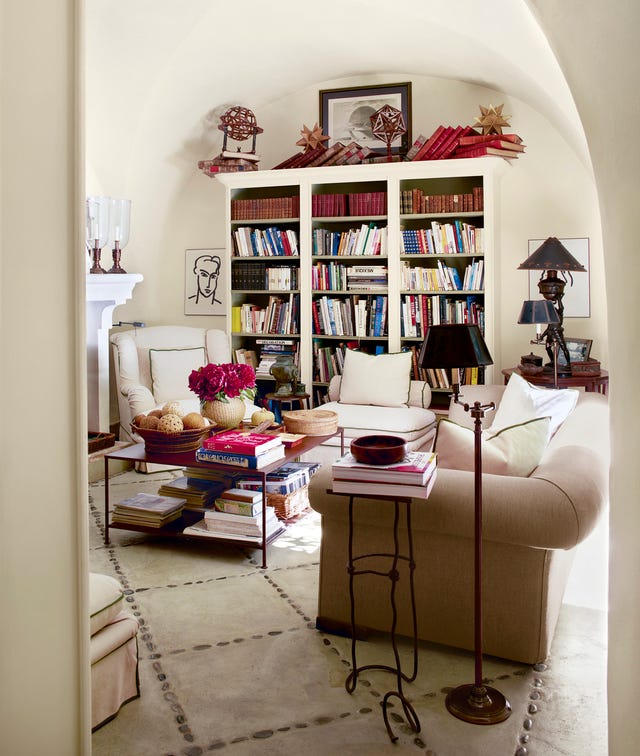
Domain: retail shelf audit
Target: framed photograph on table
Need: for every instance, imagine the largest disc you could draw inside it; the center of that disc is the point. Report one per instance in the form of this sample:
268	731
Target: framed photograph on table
205	286
579	350
345	114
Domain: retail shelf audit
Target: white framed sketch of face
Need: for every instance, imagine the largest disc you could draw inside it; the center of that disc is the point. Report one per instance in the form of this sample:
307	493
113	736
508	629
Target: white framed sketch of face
204	282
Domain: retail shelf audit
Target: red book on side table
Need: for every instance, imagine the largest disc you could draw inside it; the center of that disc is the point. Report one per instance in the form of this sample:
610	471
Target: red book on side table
242	442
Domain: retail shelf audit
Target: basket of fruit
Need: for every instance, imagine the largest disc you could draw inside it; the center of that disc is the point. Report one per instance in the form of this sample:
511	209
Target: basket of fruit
168	430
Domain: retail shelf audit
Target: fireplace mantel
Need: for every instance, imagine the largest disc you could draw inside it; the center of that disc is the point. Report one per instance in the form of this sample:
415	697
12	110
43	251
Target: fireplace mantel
104	292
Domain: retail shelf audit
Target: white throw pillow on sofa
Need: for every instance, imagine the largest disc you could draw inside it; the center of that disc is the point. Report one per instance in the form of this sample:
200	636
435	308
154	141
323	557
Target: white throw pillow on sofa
523	401
513	451
382	379
170	370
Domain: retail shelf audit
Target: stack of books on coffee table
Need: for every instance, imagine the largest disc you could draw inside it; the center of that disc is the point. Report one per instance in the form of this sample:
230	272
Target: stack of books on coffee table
240	448
412	477
148	510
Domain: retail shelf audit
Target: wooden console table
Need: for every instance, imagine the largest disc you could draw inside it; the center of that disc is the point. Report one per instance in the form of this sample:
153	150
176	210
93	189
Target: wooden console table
138	453
596	383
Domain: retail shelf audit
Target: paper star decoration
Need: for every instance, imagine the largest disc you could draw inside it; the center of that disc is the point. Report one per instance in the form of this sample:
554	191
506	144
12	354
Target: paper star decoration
311	138
492	119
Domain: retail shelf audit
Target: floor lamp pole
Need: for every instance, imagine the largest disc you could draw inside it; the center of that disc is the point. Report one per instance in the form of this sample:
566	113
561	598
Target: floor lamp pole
475	702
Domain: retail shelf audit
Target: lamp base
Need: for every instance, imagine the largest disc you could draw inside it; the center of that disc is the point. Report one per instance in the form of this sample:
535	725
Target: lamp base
478	704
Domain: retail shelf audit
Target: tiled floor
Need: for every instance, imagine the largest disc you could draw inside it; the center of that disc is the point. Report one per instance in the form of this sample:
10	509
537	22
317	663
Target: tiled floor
230	661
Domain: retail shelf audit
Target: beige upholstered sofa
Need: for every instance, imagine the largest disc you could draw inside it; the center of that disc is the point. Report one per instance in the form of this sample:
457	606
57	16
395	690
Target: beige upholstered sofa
532	526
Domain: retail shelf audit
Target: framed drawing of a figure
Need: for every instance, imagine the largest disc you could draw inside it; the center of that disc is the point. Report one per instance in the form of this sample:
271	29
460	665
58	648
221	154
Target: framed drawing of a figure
204	282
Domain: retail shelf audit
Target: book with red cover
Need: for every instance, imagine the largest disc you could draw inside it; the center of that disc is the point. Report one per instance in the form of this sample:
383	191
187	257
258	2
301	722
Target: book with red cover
482	150
445	147
243	442
416	147
329	154
454	142
414	469
475	138
437	135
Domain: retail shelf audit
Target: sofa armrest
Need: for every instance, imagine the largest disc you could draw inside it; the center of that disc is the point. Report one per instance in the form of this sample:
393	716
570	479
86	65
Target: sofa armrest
140	399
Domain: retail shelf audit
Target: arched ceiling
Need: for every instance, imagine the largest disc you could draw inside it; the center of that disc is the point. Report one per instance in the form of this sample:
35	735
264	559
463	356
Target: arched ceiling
179	60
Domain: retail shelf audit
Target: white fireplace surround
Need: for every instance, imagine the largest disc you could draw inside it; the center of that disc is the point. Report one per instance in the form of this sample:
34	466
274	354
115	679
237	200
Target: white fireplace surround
104	292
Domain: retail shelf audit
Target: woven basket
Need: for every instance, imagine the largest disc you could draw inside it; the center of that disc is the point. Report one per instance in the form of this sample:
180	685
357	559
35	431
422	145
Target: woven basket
311	422
291	504
180	441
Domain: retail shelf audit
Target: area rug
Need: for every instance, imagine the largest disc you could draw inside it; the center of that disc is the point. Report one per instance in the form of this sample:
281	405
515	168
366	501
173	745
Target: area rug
231	661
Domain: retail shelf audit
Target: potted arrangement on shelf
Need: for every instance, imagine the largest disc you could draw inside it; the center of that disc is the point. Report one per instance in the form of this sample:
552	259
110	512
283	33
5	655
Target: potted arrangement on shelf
222	390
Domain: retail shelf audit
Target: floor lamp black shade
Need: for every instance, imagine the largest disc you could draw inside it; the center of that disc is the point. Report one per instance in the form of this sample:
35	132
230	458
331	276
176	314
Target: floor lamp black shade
455	346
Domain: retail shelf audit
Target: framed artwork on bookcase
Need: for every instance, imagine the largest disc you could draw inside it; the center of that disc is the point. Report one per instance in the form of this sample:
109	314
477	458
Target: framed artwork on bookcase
345	114
205	286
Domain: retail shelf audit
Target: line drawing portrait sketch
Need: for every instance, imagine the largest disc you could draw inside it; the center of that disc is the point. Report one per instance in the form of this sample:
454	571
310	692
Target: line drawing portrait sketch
205	289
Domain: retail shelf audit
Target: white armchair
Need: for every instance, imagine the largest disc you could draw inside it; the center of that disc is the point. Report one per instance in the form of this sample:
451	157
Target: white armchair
152	367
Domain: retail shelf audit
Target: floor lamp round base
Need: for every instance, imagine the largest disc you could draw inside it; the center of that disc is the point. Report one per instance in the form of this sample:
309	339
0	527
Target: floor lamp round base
478	705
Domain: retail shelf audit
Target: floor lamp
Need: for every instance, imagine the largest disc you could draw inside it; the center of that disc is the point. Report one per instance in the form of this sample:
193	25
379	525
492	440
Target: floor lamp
455	346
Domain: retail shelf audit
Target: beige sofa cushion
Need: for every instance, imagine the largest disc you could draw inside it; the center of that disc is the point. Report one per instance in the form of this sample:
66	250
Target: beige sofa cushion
105	600
411	423
515	451
381	380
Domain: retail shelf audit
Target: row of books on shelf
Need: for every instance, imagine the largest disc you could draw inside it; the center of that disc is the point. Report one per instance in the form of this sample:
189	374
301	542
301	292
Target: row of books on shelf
338	154
368	239
461	142
265	242
328	360
264	277
279	316
419	311
414	476
443	239
353	203
443	277
259	208
354	315
416	202
339	277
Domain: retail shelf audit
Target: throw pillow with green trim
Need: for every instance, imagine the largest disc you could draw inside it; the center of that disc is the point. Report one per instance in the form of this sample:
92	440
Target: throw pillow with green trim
515	451
170	370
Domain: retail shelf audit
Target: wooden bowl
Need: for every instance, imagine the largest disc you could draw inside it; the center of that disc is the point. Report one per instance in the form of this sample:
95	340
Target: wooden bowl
180	441
378	450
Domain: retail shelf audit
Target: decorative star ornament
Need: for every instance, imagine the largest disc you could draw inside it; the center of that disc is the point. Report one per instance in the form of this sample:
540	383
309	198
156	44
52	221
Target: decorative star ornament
311	138
492	120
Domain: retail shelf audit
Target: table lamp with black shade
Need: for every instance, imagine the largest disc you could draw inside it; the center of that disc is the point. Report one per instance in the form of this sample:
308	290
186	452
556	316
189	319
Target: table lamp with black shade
454	346
553	258
541	312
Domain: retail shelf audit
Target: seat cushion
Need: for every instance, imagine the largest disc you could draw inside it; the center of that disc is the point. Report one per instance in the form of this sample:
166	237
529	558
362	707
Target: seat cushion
105	600
410	423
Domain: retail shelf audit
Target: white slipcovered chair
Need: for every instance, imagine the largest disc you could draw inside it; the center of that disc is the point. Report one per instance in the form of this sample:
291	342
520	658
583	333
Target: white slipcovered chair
152	366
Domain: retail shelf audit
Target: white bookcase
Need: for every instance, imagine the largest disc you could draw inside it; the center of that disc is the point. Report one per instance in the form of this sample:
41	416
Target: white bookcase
318	193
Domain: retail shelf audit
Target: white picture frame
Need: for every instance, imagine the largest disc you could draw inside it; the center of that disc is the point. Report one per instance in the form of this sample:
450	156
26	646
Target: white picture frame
202	269
576	300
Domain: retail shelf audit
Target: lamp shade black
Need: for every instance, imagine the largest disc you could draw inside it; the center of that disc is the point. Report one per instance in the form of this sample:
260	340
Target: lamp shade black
551	255
538	311
454	346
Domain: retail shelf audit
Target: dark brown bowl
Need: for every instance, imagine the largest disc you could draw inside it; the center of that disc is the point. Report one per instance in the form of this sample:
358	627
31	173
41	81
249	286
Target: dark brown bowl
378	450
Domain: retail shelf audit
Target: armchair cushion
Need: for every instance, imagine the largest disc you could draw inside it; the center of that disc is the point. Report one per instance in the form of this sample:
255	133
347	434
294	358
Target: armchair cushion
170	369
515	451
382	380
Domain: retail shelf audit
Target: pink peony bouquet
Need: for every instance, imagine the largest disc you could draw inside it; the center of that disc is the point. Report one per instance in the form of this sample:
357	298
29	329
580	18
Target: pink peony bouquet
223	382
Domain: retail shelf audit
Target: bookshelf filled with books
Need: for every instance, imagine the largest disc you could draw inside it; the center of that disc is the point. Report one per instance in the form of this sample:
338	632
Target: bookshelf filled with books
382	250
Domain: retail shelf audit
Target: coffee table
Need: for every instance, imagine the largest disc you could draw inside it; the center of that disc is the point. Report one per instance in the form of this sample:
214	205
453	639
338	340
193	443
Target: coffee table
138	453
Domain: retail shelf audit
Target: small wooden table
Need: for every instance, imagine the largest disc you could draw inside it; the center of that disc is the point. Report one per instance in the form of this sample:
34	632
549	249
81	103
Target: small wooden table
596	383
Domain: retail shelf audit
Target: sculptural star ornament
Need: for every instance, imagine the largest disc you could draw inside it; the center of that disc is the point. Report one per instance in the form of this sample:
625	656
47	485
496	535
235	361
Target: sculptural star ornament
311	138
492	120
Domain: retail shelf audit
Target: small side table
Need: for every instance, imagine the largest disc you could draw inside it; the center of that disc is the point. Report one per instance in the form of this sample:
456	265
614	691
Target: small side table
595	383
276	402
393	575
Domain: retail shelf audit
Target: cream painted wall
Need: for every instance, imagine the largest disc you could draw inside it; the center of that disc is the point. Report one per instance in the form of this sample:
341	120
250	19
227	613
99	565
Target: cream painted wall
547	192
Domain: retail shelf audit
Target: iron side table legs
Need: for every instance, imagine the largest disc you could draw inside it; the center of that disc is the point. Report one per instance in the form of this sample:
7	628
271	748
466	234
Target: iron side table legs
393	575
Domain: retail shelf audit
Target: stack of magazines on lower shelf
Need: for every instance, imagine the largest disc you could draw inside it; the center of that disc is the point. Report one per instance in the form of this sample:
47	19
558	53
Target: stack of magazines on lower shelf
237	515
413	476
148	510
